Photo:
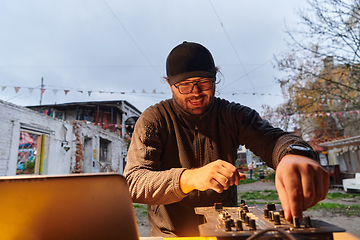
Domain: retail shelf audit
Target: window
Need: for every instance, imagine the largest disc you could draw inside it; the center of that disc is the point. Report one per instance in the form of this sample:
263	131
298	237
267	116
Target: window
32	154
104	155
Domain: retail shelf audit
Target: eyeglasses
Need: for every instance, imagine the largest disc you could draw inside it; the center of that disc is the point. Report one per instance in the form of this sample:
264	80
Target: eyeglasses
203	85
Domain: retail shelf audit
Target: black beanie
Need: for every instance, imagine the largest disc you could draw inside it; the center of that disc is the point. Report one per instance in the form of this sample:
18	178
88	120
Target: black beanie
188	60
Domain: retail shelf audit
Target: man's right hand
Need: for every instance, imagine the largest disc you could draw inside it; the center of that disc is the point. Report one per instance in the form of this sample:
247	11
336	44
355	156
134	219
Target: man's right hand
218	176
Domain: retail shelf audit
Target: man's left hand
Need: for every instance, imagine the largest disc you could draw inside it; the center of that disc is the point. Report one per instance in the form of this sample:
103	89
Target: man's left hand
301	183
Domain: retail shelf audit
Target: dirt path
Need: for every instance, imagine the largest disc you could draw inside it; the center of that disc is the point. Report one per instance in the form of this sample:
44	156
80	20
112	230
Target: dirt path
351	224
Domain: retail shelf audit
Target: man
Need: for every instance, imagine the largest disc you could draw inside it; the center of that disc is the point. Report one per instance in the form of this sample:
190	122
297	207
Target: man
251	168
183	149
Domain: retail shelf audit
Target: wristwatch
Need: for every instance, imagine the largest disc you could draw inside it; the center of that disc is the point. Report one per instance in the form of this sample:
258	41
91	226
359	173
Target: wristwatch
302	151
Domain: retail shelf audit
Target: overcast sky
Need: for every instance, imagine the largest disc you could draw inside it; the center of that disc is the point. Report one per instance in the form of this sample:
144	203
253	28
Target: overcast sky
101	50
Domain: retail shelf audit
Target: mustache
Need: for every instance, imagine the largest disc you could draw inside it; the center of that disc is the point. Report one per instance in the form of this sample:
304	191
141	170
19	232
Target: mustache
201	96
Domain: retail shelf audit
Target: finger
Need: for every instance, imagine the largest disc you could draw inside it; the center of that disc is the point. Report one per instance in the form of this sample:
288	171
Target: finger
242	176
294	193
230	172
322	183
283	197
216	186
222	180
308	189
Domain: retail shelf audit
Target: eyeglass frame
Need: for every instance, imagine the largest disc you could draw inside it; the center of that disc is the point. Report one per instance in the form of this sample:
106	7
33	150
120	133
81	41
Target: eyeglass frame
196	82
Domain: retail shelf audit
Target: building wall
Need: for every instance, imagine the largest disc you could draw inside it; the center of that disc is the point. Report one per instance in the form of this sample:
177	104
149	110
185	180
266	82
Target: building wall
87	146
80	136
13	118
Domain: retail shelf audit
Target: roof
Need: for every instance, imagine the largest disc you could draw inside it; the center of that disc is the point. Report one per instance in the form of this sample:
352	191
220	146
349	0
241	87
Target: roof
338	143
87	104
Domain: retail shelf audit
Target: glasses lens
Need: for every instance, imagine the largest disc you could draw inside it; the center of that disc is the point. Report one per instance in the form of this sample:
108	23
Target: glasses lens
188	87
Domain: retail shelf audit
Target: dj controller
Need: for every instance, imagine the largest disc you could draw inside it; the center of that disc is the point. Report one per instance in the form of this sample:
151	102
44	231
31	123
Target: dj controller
260	222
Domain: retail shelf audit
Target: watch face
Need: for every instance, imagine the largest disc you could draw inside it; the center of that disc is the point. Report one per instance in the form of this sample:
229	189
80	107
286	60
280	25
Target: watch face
302	151
301	148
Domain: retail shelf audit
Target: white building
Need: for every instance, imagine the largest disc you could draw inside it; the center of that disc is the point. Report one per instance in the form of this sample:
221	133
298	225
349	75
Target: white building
34	143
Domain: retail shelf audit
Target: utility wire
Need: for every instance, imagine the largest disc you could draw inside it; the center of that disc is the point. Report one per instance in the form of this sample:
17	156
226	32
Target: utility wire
132	39
253	70
232	45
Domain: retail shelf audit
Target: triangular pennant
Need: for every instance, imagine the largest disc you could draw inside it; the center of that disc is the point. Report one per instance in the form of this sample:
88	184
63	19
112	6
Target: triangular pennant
133	91
17	89
3	88
143	91
55	91
101	91
89	93
31	90
80	91
66	91
42	90
154	91
111	92
122	92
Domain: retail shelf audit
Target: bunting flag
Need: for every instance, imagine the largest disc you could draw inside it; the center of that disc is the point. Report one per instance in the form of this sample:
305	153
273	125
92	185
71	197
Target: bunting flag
89	92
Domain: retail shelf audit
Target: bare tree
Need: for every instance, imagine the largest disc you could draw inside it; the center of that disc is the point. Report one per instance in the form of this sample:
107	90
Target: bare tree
322	63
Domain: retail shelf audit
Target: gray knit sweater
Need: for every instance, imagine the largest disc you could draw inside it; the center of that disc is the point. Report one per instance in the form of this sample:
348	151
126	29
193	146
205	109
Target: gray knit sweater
167	140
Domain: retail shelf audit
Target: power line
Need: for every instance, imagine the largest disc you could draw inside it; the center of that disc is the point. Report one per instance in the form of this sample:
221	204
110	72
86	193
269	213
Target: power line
132	39
232	45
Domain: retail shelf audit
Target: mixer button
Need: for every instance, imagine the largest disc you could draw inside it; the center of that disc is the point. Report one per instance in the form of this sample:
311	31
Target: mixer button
307	222
277	219
296	222
266	213
239	226
228	225
252	224
282	214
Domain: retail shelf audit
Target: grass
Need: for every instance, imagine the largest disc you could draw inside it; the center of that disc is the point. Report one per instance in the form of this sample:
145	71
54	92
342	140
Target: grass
337	195
247	180
142	207
353	210
267	195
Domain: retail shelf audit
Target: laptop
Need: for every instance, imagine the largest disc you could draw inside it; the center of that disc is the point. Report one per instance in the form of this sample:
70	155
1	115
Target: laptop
82	206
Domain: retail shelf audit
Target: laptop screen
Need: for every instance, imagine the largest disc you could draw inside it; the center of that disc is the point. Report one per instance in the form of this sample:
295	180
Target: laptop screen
83	206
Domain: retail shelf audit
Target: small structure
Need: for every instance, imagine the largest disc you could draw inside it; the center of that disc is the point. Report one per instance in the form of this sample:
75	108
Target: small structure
343	158
352	183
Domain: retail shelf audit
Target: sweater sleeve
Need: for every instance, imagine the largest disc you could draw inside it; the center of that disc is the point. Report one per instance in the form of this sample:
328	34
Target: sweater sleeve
264	140
148	183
